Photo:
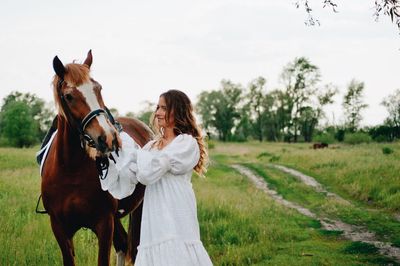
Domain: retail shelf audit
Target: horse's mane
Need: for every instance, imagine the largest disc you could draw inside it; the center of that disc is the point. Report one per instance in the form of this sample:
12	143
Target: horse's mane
75	75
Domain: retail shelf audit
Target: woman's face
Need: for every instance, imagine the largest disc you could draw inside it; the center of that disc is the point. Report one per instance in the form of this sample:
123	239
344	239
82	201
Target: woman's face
161	113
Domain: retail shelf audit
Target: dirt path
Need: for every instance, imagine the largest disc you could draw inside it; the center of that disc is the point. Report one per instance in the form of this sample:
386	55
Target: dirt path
310	181
351	232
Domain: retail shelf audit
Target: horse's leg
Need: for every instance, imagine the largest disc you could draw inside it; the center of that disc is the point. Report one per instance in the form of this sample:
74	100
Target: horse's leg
64	241
104	231
135	221
120	241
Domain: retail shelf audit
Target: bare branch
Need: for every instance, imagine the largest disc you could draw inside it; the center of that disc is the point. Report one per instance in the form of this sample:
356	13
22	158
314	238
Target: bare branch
311	21
389	8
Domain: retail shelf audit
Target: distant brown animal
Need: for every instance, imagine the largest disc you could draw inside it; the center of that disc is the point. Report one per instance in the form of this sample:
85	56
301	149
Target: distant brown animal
71	189
320	145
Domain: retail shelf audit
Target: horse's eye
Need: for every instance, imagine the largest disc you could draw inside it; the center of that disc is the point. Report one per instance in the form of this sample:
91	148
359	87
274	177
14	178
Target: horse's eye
68	97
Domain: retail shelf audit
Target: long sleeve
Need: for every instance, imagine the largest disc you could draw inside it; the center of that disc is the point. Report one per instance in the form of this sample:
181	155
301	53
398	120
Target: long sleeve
186	156
151	167
179	157
121	178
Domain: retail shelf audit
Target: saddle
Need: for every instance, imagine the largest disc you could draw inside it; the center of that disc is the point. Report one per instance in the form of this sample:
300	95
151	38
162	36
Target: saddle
46	143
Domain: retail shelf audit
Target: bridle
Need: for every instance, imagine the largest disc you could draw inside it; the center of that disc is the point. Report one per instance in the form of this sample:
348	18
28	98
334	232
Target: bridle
81	125
102	163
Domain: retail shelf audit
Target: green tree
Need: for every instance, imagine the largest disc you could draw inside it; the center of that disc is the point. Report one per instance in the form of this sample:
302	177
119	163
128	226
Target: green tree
41	112
392	104
205	108
244	128
308	120
276	116
300	78
256	100
145	115
311	115
18	125
353	104
220	110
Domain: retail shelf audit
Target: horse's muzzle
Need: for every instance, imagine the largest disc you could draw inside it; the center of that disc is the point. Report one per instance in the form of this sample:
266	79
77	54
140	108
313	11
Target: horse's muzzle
102	144
107	143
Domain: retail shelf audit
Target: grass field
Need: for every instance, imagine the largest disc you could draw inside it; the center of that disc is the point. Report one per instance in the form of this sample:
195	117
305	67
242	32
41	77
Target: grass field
240	225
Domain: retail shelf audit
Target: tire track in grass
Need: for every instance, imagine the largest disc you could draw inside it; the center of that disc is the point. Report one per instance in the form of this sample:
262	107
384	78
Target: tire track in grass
351	232
310	181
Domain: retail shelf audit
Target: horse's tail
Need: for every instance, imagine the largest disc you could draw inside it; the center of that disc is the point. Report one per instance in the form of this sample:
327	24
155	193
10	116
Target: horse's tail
135	219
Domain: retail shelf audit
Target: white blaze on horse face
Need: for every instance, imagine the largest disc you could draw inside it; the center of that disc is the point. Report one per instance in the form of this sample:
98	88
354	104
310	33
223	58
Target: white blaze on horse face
88	92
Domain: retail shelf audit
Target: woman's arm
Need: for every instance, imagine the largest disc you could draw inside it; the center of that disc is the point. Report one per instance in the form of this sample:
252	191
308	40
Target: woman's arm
179	158
121	179
186	156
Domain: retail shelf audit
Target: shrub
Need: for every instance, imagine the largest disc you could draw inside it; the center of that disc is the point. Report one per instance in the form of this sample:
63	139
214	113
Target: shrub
383	133
381	138
264	154
357	138
387	150
340	134
238	138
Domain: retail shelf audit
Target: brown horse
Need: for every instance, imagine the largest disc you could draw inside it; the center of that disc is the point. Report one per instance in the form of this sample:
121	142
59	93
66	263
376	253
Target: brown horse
71	189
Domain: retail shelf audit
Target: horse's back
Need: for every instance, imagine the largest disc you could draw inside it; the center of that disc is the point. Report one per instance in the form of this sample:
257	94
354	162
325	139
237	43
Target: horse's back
135	128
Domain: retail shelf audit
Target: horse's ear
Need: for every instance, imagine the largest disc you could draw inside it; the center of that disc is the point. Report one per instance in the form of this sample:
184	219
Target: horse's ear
89	59
58	67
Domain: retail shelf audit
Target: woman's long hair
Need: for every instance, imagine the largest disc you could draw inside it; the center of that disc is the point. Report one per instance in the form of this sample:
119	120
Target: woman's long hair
179	105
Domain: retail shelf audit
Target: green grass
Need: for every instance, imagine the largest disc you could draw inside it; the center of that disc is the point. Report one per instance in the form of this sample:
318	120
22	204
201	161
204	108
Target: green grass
380	222
242	226
26	237
362	173
239	224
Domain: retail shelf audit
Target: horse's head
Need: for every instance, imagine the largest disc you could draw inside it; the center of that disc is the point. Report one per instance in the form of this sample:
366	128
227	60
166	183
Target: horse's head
78	98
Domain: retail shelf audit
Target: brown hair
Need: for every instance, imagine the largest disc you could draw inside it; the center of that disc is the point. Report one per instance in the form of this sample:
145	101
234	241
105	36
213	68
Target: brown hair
178	104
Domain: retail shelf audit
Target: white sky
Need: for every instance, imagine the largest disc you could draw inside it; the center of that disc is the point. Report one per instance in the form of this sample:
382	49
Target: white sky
143	48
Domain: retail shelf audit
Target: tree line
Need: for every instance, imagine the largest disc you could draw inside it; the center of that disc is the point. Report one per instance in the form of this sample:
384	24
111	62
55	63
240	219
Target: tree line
293	112
234	112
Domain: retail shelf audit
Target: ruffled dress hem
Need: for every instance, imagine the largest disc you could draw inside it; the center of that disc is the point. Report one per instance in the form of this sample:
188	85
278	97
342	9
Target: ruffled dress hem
173	252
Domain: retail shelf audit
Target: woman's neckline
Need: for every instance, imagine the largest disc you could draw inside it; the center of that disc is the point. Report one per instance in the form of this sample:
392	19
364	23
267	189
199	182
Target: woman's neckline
167	145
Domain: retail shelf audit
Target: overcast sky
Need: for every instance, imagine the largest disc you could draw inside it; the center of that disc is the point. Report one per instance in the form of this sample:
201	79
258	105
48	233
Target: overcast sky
143	48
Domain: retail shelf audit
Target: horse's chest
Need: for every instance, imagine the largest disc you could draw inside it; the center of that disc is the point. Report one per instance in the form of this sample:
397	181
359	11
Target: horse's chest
67	201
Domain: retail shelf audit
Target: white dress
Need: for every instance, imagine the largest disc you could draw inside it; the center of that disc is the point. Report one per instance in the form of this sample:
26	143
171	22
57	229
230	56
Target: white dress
170	234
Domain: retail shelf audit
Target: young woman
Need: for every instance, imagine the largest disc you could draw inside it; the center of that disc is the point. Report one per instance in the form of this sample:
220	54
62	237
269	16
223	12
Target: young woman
170	230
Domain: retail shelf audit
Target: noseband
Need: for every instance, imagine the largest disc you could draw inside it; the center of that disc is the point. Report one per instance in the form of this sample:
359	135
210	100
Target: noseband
86	121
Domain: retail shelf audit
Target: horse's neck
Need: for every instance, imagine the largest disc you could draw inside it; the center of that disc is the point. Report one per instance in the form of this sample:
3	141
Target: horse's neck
69	150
